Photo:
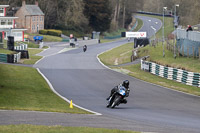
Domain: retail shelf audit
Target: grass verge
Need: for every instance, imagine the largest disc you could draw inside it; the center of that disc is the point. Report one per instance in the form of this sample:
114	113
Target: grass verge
22	88
189	64
118	55
139	26
5	51
56	129
33	58
135	71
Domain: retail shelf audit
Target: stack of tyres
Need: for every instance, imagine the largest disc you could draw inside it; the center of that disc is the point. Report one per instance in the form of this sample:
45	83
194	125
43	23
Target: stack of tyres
10	43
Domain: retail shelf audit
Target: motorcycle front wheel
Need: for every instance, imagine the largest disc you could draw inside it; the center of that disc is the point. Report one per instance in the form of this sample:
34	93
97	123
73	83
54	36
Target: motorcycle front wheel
116	101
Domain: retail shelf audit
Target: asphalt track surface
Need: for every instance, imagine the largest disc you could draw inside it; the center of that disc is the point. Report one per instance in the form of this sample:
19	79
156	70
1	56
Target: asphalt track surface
79	76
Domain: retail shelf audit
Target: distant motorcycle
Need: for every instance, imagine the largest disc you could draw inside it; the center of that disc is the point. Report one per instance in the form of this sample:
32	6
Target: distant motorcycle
117	97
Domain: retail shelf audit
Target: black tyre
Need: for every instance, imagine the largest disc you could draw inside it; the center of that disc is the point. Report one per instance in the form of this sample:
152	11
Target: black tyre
116	101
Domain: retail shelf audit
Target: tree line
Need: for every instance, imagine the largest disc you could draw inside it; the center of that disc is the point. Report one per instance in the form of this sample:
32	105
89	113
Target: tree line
103	15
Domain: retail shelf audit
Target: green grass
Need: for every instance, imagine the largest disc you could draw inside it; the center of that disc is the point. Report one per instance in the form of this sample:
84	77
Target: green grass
56	129
135	71
118	55
22	88
139	26
189	64
156	55
168	25
46	38
5	51
32	45
32	56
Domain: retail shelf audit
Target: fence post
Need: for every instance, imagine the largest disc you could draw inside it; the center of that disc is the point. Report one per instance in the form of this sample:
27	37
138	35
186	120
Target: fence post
178	51
183	50
187	51
193	51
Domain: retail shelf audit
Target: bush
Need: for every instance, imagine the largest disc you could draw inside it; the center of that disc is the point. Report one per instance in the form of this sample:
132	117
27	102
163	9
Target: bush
54	32
43	32
51	32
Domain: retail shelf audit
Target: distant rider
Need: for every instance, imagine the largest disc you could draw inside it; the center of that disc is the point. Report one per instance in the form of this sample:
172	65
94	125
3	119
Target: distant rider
126	85
84	48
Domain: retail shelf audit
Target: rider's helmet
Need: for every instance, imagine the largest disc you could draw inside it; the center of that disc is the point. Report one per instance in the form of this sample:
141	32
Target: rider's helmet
126	83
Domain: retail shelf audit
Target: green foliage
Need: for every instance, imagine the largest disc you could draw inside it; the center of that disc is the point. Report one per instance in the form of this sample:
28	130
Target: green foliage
43	32
54	32
5	51
114	33
98	13
51	32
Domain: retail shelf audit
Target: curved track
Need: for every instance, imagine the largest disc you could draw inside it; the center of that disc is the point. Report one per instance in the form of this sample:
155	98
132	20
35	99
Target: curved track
79	76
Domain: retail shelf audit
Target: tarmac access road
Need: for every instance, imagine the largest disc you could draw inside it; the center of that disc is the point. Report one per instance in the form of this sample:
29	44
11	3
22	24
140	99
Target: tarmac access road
79	76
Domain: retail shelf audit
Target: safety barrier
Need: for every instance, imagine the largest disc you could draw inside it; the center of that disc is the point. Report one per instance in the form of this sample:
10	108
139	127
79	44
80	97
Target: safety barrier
21	47
179	75
10	58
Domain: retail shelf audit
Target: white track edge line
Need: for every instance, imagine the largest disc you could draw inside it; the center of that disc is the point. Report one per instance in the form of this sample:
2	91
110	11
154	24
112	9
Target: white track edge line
51	86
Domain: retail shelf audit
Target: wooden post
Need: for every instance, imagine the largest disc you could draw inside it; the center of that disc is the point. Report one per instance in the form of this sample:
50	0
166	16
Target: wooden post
187	51
193	51
183	50
178	51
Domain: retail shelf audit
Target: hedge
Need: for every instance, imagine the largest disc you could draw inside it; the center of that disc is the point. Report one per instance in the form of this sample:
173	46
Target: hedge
51	32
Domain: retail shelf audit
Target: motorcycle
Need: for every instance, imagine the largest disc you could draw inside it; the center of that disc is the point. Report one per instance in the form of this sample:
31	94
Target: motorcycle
117	97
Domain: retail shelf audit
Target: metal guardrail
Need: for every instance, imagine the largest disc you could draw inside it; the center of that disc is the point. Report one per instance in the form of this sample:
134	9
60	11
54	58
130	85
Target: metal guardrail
190	35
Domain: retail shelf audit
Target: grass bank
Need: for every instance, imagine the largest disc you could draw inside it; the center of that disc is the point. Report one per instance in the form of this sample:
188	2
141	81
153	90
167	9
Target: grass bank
56	129
33	58
119	55
139	26
22	88
190	64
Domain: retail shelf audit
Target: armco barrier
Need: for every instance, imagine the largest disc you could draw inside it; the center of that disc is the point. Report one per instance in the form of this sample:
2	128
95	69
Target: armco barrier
179	75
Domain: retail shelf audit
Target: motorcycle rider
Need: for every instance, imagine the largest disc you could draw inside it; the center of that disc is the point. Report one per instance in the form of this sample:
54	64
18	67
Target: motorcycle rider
84	48
126	85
